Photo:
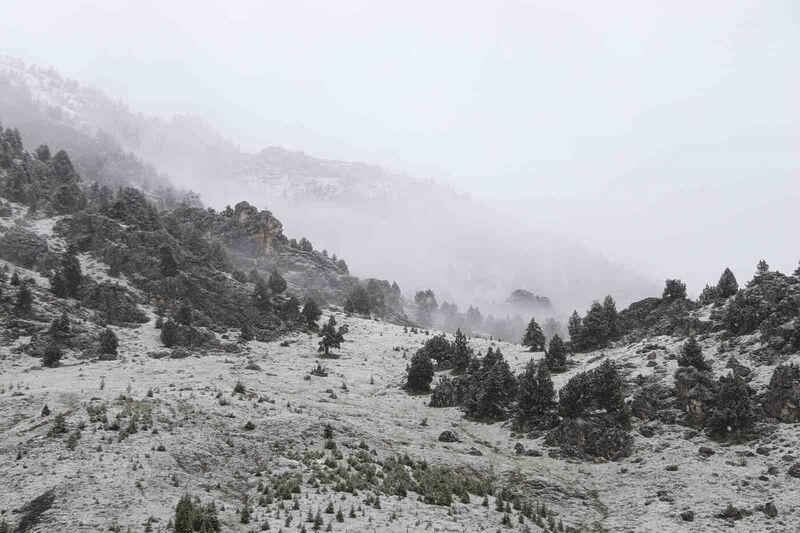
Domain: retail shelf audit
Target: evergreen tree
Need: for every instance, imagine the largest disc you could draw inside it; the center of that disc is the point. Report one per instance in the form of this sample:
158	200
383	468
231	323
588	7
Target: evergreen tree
169	267
261	294
727	285
58	284
594	327
108	342
426	306
692	355
359	299
708	295
52	355
535	393
462	353
331	336
23	302
556	356
420	372
246	332
184	315
276	282
533	337
291	310
674	289
15	279
439	349
71	270
587	392
60	327
575	330
43	153
611	318
492	387
311	313
169	333
349	307
733	410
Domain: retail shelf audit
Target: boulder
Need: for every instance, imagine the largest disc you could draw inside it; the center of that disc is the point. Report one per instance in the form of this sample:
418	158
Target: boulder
782	399
697	391
448	436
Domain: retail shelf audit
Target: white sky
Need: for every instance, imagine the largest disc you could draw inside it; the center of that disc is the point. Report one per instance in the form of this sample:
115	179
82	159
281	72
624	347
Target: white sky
666	134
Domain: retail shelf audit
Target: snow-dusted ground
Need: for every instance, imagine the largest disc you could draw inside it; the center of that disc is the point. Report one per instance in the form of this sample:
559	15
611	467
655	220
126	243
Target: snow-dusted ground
187	406
208	452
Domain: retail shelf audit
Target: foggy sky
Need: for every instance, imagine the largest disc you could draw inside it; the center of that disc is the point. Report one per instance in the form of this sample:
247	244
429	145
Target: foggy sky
664	134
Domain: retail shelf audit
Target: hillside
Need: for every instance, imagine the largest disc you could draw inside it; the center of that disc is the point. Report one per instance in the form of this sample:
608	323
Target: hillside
468	248
140	363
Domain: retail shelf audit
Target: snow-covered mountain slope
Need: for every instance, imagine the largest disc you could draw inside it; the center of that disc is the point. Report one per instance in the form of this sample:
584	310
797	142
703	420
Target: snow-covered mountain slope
422	233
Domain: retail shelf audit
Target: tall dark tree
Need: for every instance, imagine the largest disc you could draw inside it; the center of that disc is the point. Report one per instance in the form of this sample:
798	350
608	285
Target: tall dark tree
169	267
291	309
246	332
611	318
438	349
169	333
733	410
533	337
493	388
420	372
71	270
535	393
462	353
23	302
426	306
359	299
184	315
575	330
108	342
674	289
556	356
62	167
692	355
332	337
261	294
276	282
594	329
727	285
311	313
598	388
52	355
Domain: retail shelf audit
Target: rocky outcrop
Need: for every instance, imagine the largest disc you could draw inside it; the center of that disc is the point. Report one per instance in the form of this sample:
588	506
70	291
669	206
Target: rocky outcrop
696	391
653	401
782	399
591	437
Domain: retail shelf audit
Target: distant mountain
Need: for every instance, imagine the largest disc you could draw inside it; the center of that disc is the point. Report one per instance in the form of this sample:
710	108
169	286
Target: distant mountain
419	232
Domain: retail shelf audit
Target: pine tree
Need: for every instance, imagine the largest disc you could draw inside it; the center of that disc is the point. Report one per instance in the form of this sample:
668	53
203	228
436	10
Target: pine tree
311	313
108	342
246	332
611	318
184	315
733	411
727	285
535	393
23	302
533	337
59	285
169	267
52	355
331	337
359	299
169	333
556	356
462	353
420	372
276	282
349	307
674	289
575	330
71	270
692	355
261	294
